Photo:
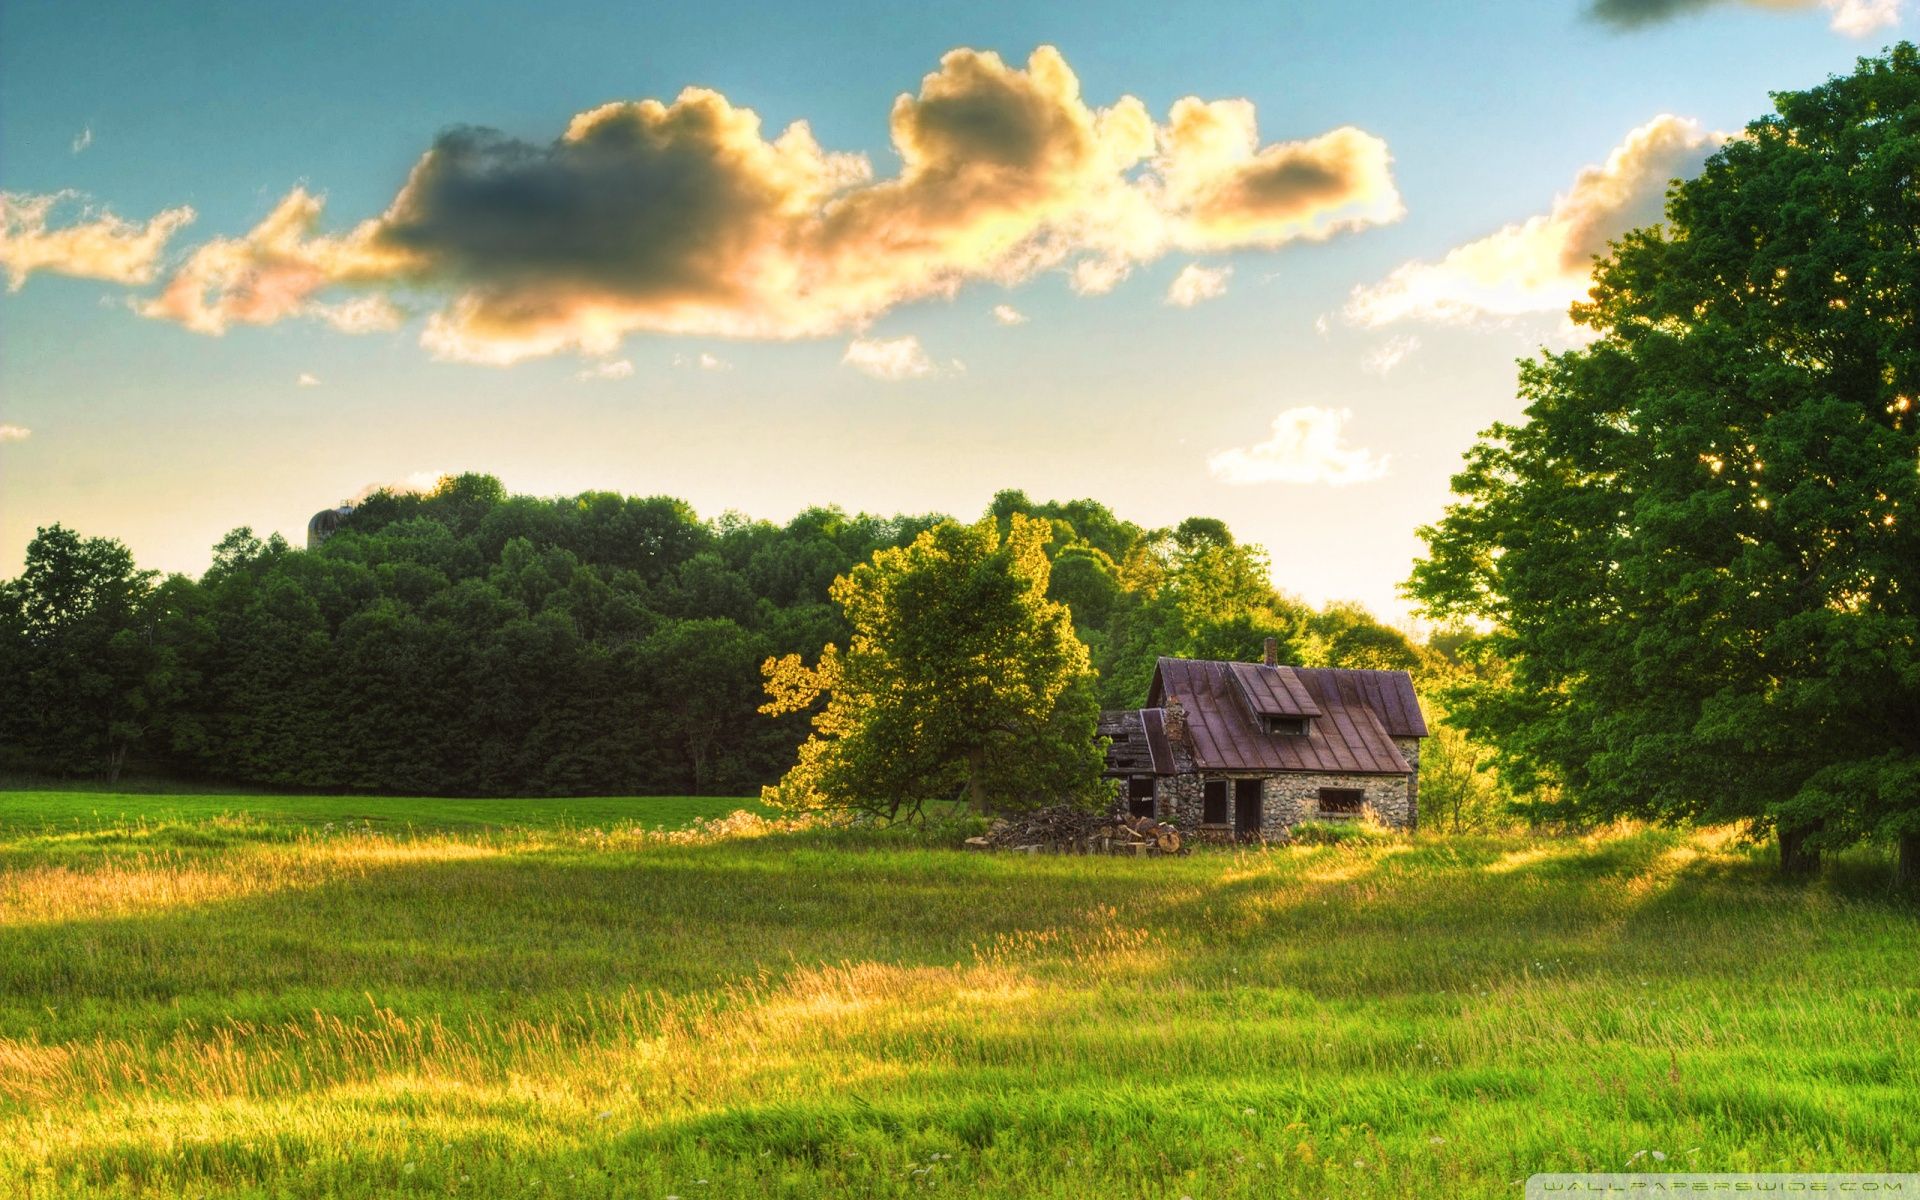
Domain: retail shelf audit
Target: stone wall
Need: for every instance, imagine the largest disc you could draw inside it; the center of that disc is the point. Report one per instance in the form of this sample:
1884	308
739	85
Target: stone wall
1409	748
1285	800
1297	796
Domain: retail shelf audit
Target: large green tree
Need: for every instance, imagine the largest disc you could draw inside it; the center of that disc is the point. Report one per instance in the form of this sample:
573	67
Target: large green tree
1700	553
961	677
82	682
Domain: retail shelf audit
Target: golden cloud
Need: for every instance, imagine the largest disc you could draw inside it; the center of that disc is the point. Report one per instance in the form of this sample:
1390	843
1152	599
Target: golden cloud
273	272
99	246
685	218
1545	263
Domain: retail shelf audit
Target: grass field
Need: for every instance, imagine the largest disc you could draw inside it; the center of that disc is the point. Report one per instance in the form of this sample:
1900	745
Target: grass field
297	996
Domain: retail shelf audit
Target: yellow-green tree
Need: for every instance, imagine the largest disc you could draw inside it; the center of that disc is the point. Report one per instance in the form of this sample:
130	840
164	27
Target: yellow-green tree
961	678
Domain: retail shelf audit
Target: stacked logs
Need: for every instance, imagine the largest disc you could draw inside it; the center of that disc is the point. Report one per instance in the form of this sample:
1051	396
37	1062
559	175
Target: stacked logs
1065	829
1135	835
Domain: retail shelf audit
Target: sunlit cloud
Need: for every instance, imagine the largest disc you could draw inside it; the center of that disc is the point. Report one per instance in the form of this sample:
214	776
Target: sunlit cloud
1195	283
703	361
14	433
618	368
892	358
1383	358
1545	263
307	379
1007	314
362	314
98	245
1306	447
83	139
419	483
1098	276
686	218
274	271
1855	18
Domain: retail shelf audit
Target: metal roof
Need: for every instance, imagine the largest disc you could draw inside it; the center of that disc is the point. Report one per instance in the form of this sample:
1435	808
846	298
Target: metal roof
1225	723
1272	691
1388	694
1138	742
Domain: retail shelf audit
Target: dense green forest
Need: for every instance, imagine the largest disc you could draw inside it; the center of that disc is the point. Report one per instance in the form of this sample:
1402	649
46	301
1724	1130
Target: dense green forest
470	642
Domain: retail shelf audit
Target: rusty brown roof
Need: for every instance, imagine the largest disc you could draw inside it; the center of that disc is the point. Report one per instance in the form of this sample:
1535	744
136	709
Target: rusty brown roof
1272	691
1225	728
1138	742
1388	694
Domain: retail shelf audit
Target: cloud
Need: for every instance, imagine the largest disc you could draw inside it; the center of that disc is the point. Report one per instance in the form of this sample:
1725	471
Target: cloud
14	433
704	361
1305	448
1855	18
1098	276
362	314
273	272
83	139
1007	314
1384	358
1545	263
1859	18
307	379
892	358
1195	283
97	246
420	483
618	368
686	218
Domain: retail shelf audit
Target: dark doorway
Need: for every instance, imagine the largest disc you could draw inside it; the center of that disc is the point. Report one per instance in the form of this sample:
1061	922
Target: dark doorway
1213	806
1246	807
1140	795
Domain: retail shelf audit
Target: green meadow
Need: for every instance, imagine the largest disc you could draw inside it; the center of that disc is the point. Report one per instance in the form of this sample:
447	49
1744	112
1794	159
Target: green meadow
227	996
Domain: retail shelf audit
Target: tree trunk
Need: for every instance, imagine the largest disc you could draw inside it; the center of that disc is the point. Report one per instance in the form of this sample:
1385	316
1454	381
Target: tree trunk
115	757
1796	857
1906	869
976	783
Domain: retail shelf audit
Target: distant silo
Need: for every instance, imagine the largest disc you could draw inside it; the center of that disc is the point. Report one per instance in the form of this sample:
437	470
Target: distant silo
326	523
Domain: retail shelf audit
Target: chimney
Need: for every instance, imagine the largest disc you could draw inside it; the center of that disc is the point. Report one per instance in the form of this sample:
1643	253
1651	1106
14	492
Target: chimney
1176	719
1273	652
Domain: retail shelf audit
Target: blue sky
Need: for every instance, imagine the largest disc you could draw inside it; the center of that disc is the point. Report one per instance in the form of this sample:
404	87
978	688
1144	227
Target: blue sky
139	427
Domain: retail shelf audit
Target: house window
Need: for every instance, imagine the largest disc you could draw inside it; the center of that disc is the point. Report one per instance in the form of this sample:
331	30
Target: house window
1287	725
1140	795
1213	802
1341	802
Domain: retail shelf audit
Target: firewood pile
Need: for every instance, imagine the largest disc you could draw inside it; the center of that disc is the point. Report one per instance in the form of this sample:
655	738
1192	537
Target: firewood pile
1065	829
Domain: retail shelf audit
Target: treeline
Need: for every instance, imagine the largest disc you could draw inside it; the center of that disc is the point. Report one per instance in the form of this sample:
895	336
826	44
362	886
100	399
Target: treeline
470	642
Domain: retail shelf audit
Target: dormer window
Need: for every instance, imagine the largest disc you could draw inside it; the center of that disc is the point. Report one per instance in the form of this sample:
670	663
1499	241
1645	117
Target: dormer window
1286	726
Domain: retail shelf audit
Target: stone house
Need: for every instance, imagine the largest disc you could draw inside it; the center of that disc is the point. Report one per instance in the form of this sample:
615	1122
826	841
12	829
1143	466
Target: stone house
1231	749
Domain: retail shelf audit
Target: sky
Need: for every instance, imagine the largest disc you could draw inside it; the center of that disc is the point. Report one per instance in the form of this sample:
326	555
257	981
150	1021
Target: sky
1272	263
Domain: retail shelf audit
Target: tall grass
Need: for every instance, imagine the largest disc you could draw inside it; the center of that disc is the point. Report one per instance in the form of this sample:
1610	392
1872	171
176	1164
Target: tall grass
230	1007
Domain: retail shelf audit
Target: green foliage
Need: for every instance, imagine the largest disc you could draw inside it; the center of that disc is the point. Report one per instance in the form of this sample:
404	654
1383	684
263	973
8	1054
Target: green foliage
81	679
959	675
469	642
1699	558
1339	833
